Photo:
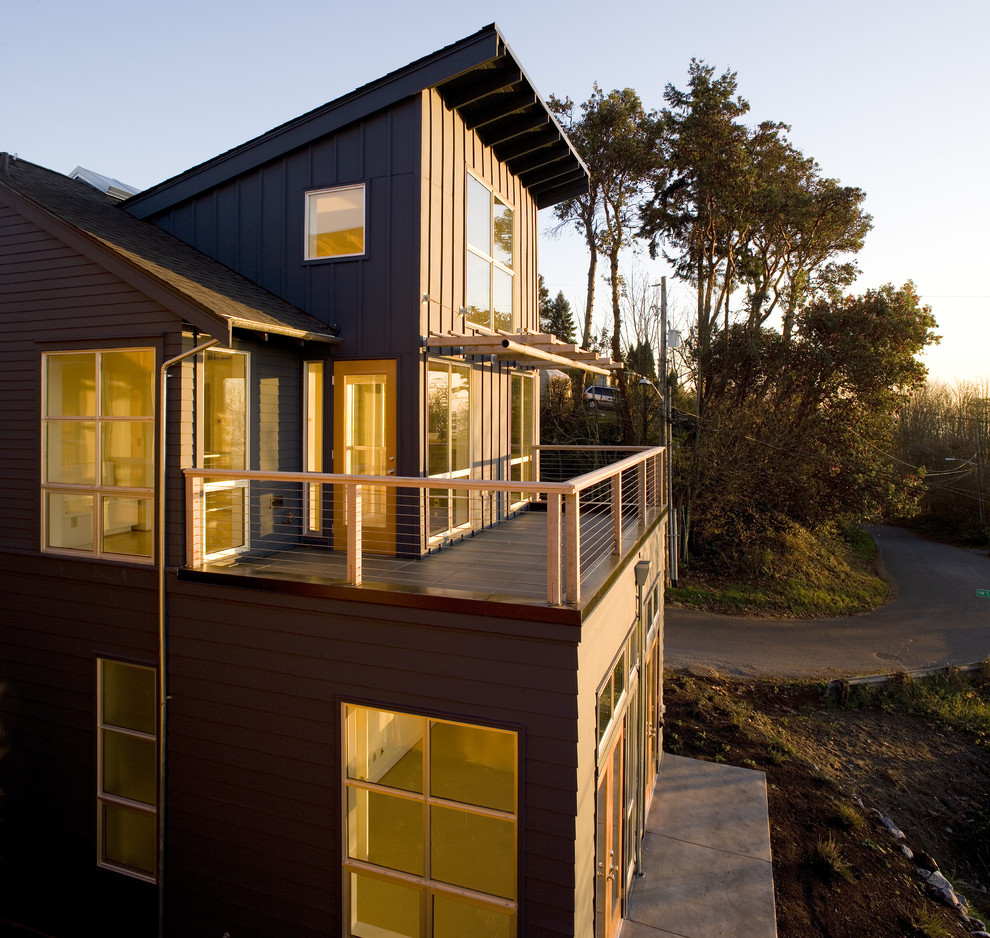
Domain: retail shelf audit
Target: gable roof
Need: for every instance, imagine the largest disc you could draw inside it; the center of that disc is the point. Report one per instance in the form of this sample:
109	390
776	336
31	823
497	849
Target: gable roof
479	77
206	294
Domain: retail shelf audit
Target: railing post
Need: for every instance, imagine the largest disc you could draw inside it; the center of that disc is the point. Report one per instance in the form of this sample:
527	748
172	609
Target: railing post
194	521
572	547
641	474
553	549
616	512
354	535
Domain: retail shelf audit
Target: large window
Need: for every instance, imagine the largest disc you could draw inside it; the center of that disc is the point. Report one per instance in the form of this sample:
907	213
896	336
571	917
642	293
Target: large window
127	770
431	832
98	459
489	260
449	443
335	222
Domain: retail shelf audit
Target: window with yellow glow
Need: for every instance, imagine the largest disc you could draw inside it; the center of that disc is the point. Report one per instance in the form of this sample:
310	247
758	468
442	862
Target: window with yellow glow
431	830
448	444
127	770
98	460
335	222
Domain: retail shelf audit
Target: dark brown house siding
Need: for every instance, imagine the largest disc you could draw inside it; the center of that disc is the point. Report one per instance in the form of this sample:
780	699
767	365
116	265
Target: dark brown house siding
255	225
57	620
52	298
257	680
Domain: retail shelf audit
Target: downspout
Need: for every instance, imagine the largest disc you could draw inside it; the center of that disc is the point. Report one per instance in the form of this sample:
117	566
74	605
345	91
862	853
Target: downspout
642	573
162	657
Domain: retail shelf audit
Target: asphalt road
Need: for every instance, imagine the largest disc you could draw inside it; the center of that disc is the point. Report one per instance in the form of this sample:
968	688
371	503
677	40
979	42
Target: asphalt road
935	618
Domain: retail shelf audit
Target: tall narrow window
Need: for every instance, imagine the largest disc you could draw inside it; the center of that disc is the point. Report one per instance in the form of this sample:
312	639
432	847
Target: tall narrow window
127	769
335	222
431	830
489	261
522	432
313	446
98	461
449	443
225	446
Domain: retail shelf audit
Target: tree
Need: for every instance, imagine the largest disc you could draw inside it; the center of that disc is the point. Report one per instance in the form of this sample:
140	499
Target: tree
555	314
804	432
615	136
742	212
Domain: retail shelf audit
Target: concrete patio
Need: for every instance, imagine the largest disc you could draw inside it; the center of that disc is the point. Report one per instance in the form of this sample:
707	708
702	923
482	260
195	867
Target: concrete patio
707	869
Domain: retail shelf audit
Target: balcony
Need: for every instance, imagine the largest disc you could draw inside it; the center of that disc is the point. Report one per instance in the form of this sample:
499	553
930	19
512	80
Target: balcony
550	535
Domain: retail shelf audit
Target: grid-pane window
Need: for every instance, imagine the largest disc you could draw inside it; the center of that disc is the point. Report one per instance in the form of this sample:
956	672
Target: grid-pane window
489	261
98	459
127	770
432	826
335	222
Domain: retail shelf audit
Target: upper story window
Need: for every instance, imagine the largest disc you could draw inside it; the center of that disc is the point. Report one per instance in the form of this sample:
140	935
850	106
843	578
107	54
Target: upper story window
489	262
335	222
98	453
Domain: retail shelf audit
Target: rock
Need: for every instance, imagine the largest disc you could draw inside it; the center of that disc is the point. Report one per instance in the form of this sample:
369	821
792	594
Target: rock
907	851
925	861
892	828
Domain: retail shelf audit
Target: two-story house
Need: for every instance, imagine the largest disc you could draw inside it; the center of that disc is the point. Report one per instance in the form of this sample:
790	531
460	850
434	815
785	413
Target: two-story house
304	631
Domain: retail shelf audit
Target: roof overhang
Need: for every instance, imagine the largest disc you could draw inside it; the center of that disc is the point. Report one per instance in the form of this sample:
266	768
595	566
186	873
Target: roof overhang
479	77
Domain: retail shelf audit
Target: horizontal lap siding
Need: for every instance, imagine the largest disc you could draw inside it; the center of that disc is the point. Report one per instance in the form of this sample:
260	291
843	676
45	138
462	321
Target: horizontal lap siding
257	681
51	296
56	621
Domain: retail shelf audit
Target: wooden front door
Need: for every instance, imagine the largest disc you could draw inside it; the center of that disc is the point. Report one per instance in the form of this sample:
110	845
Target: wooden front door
364	427
610	840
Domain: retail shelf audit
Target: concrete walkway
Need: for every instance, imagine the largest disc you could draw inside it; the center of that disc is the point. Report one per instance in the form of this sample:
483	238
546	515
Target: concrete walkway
707	871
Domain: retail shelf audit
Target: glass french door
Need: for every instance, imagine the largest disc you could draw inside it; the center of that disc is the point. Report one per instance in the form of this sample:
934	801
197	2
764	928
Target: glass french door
364	445
609	846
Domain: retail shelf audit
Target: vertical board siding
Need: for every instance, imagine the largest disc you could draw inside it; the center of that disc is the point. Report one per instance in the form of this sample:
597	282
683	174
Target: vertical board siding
255	225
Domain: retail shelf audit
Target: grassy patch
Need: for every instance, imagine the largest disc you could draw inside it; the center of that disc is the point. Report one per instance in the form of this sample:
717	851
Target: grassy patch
802	574
958	700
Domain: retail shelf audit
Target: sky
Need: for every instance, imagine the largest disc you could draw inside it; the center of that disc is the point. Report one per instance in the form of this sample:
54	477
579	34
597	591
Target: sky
886	96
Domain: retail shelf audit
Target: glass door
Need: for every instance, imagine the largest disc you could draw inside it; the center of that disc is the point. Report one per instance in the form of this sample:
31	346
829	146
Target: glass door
225	446
364	445
609	844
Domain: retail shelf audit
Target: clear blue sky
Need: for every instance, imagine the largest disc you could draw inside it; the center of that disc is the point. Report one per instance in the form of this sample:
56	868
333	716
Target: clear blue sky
887	96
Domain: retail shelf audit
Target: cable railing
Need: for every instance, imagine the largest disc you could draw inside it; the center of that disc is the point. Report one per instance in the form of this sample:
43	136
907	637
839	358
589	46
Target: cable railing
569	512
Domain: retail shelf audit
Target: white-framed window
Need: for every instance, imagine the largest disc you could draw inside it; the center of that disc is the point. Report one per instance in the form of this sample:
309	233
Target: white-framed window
489	262
98	453
431	832
127	768
313	374
611	696
448	405
225	422
335	222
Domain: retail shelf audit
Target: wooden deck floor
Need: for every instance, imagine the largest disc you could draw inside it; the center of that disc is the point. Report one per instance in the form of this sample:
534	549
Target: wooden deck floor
504	563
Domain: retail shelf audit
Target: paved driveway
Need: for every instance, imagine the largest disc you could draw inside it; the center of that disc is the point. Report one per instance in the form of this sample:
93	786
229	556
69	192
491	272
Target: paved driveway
935	618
